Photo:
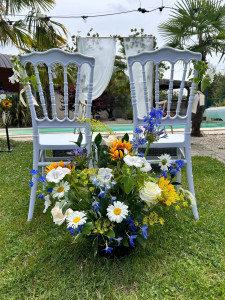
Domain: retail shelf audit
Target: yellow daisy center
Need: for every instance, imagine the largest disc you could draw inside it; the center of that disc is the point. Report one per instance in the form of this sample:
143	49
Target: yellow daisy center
117	211
76	220
60	189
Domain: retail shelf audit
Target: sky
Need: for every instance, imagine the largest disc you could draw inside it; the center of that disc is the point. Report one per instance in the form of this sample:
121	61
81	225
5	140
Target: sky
110	25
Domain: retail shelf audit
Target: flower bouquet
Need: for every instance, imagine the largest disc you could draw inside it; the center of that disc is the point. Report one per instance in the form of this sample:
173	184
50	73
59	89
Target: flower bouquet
114	206
5	105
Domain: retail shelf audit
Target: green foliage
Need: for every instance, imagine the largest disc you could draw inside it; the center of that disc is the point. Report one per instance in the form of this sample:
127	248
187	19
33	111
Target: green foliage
217	89
183	259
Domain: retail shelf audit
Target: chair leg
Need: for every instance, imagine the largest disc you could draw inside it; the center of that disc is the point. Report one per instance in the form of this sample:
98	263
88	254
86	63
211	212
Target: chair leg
178	173
34	187
190	180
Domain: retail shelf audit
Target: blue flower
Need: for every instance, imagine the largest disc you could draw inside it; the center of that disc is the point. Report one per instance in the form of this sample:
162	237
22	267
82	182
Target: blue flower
41	196
113	199
34	172
96	206
42	178
144	231
132	237
31	183
111	239
50	190
102	194
141	154
72	231
180	164
107	249
163	174
130	221
95	181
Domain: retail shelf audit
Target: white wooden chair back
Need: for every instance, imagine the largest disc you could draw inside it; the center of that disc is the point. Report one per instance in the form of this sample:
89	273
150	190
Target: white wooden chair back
170	56
50	59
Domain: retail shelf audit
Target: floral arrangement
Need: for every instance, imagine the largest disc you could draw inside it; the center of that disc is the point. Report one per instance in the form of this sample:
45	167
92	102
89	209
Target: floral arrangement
5	105
114	206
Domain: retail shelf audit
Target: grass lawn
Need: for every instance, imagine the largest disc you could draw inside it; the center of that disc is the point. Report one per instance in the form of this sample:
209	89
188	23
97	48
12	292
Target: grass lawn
184	259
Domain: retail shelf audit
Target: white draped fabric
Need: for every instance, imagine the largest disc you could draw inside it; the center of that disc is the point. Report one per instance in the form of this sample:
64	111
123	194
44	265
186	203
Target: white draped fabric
103	50
133	46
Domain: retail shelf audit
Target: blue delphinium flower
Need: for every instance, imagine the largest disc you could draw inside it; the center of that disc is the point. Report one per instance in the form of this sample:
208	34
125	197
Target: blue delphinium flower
132	237
31	183
107	249
180	164
96	206
102	194
42	178
49	190
174	168
144	231
34	172
111	239
95	181
130	221
113	199
72	231
163	174
41	196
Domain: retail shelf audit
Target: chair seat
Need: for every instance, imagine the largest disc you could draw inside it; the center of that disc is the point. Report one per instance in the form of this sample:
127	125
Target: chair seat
61	141
172	141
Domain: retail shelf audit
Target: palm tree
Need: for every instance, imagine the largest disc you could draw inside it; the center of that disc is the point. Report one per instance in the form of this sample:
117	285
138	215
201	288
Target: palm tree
31	31
197	25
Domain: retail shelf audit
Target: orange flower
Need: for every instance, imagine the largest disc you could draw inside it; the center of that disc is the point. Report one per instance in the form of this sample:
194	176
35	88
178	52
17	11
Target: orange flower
118	148
54	165
6	103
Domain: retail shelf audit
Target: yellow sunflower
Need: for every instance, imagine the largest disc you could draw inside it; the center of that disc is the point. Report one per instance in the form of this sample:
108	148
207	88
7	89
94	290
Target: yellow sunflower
118	148
6	103
54	165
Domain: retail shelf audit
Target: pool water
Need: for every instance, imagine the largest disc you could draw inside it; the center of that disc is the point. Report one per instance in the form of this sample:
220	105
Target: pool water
125	127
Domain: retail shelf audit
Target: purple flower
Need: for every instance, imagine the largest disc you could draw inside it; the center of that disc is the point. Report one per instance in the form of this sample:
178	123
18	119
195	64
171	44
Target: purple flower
50	190
163	174
132	237
119	240
144	231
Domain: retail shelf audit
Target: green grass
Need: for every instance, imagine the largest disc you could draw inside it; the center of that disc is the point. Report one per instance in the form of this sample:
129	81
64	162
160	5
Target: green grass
184	259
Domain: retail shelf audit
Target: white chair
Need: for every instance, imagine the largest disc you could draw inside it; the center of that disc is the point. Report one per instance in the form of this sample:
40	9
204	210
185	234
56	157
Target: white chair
42	142
178	141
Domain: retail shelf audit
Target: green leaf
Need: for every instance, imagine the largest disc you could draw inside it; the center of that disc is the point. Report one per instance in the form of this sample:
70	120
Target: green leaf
98	139
65	207
141	240
87	228
61	204
206	82
79	140
125	242
125	137
110	233
128	182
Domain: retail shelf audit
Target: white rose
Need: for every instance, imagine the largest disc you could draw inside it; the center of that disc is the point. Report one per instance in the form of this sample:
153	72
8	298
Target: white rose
110	140
150	192
58	217
104	175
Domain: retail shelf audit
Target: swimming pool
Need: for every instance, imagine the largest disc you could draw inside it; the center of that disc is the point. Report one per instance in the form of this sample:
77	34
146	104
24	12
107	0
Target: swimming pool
116	128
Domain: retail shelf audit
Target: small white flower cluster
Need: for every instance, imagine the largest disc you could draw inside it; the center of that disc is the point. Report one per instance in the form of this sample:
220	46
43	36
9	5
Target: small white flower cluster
15	77
138	162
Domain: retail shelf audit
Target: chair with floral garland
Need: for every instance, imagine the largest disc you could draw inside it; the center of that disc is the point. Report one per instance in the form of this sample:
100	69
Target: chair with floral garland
181	142
51	59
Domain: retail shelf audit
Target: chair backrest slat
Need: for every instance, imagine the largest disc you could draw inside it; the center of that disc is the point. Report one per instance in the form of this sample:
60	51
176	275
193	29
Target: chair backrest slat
52	93
157	85
77	96
181	89
40	90
66	94
145	88
170	93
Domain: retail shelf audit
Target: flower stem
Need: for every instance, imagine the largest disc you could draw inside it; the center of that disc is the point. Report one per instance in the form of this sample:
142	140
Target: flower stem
147	148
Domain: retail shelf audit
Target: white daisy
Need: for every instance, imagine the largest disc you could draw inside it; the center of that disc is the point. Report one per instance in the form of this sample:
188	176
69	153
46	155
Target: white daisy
60	189
165	161
55	175
117	212
75	218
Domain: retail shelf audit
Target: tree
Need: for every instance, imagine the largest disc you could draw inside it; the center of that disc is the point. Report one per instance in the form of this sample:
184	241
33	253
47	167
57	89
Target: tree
217	90
30	32
197	25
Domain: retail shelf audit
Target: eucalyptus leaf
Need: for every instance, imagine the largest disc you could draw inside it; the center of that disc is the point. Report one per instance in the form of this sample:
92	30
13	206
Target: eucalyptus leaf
98	139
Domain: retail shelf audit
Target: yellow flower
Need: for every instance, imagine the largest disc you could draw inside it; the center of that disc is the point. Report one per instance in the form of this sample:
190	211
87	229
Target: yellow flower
177	207
91	188
168	194
185	203
86	182
118	148
6	103
161	221
54	165
76	181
